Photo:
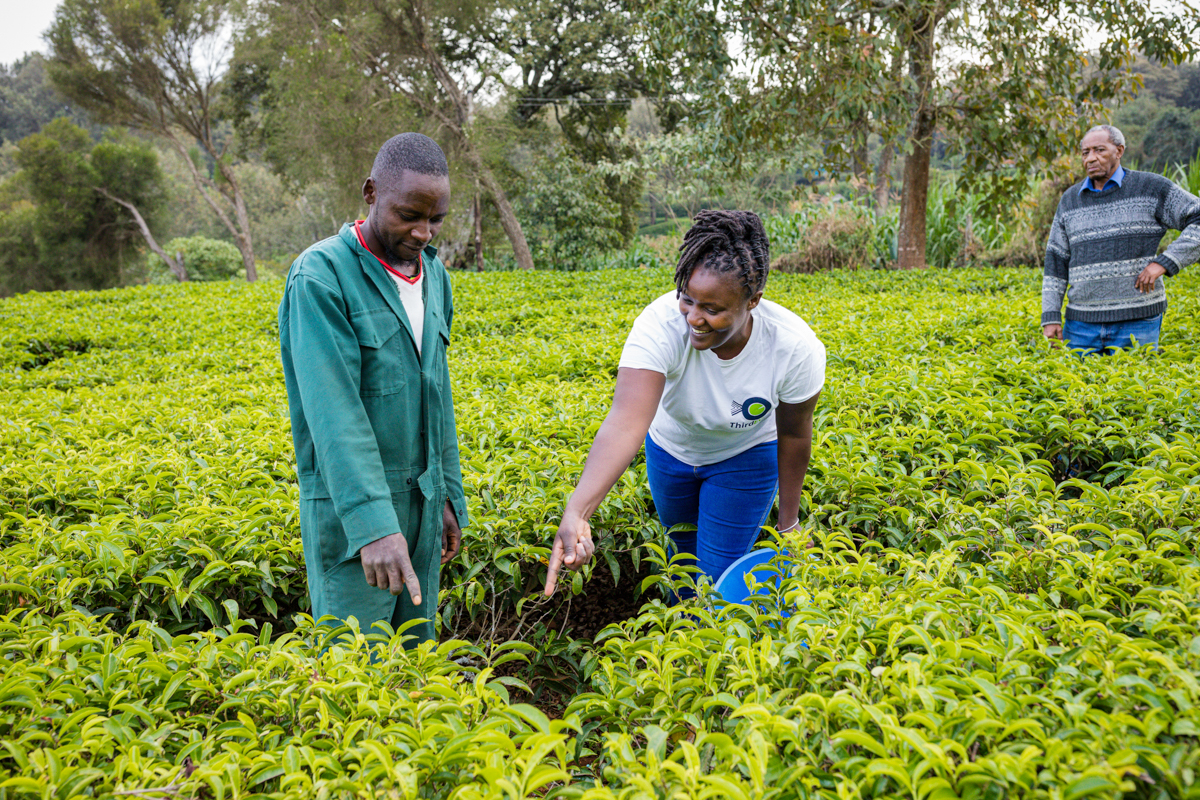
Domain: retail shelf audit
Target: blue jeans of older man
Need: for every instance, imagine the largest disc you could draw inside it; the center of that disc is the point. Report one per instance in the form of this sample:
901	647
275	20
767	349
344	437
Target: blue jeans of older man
1106	337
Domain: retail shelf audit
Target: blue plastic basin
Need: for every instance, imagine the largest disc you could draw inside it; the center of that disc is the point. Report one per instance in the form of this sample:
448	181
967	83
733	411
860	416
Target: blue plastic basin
732	583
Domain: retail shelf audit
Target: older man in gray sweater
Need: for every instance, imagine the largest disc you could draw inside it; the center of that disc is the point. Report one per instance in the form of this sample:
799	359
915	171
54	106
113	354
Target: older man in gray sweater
1103	250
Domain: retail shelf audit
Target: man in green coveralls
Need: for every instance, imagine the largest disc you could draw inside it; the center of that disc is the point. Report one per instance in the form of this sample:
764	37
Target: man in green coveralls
363	330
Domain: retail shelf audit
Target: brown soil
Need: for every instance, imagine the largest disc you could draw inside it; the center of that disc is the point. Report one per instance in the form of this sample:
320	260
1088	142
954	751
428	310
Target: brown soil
555	677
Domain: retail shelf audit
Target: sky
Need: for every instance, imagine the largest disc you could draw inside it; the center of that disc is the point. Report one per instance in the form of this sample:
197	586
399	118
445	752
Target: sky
24	23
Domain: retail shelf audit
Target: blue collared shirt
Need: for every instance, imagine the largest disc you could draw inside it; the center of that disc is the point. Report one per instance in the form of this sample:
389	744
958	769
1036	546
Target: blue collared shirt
1114	179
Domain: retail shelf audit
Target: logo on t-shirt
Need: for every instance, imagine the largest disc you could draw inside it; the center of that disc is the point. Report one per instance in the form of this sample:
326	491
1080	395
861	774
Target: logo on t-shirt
752	408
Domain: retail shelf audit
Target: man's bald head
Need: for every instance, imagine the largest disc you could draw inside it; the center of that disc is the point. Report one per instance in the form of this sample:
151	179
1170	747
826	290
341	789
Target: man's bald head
415	152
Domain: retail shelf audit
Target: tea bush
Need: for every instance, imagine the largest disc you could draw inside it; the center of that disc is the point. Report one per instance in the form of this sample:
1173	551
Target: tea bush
1005	599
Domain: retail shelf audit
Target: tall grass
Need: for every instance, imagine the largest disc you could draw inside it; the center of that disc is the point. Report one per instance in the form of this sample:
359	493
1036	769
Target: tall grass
1186	175
958	228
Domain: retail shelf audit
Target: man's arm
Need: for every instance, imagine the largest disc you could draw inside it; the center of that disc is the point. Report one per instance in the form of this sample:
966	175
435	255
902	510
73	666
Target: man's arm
1180	211
327	369
1055	276
455	513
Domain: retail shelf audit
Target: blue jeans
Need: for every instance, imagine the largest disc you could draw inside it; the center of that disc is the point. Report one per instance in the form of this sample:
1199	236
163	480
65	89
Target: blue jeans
1105	337
728	502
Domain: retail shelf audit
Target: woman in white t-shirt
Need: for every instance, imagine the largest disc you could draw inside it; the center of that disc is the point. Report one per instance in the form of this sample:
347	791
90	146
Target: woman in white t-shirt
721	384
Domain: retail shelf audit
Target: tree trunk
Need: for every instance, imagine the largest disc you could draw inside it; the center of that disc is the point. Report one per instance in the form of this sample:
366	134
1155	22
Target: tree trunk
175	265
883	178
240	229
508	217
915	196
859	160
477	212
508	220
915	199
241	237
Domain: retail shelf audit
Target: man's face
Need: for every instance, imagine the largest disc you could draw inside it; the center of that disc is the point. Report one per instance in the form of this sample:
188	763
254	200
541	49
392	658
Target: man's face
1100	156
407	212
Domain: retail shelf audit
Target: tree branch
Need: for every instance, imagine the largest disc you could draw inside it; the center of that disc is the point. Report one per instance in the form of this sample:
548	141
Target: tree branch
176	268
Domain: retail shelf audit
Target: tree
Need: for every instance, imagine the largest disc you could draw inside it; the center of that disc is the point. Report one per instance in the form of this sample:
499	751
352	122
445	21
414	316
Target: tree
1173	138
157	66
125	172
1001	80
84	210
573	62
28	100
568	213
345	68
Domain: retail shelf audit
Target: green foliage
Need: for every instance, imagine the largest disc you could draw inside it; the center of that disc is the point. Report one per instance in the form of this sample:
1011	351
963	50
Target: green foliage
665	227
1029	227
685	173
28	100
204	259
232	713
567	214
20	267
959	228
577	69
65	200
157	67
1172	139
936	675
1005	599
1187	174
1002	82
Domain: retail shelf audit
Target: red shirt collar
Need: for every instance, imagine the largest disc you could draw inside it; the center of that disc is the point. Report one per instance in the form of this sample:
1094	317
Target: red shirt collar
388	267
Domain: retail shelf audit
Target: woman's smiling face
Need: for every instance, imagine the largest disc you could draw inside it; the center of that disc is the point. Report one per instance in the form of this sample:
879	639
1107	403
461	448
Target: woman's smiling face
717	311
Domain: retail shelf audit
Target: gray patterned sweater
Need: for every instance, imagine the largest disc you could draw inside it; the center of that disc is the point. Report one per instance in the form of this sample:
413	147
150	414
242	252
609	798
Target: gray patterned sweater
1100	242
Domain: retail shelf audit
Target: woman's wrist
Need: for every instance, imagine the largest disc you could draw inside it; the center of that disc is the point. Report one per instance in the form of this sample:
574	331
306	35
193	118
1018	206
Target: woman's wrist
785	528
574	513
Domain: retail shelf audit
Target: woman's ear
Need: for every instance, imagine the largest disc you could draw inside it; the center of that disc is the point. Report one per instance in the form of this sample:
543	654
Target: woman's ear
753	301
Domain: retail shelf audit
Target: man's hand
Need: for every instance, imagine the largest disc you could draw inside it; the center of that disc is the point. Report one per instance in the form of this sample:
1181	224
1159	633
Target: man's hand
1052	331
573	547
386	565
451	534
1149	276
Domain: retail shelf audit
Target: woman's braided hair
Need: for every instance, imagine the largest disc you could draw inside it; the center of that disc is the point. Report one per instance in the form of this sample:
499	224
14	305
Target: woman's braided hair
726	241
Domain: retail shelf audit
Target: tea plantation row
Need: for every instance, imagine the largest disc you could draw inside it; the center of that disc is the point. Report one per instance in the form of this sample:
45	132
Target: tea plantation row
1006	600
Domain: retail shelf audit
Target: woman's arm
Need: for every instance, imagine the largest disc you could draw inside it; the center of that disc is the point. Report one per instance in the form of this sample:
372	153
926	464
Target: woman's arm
635	402
794	422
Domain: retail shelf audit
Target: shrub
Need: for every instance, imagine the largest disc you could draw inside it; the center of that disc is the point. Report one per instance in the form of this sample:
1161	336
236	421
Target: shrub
666	227
840	236
567	215
204	259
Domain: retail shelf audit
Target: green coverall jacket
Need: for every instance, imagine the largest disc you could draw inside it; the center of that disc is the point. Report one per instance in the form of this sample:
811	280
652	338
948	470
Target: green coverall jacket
373	425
